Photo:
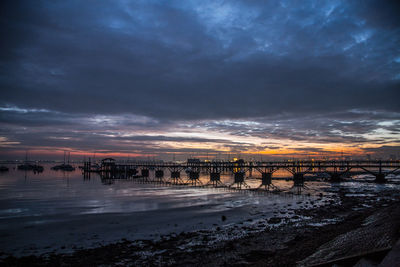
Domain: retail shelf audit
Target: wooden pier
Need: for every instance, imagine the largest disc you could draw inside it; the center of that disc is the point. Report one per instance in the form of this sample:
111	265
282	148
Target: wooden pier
335	171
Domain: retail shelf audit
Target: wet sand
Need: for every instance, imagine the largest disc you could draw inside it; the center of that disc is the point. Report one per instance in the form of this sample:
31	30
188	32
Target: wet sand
311	235
66	232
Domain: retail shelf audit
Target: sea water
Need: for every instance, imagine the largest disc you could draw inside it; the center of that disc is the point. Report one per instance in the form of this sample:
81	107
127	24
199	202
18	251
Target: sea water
62	211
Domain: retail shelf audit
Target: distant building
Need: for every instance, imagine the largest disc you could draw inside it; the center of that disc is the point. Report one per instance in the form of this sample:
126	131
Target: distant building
239	161
193	161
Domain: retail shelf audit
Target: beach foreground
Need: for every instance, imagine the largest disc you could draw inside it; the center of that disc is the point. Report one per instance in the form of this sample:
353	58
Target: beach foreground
350	228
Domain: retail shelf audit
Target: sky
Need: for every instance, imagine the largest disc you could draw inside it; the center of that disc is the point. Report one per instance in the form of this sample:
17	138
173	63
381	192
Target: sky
163	79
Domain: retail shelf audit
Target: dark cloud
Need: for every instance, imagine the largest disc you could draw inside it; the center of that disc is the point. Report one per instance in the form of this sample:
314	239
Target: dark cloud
379	14
322	71
393	151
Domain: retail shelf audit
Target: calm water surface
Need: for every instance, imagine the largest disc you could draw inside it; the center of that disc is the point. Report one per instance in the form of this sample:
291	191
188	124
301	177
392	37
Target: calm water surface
23	193
57	192
58	210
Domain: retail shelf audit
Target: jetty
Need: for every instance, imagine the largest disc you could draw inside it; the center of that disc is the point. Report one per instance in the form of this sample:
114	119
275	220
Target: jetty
171	172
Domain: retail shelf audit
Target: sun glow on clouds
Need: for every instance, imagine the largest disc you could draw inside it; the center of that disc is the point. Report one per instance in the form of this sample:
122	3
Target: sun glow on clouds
132	135
4	142
390	137
215	140
204	133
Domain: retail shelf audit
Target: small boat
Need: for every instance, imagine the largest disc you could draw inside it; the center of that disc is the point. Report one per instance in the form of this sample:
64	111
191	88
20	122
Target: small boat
30	167
64	167
3	169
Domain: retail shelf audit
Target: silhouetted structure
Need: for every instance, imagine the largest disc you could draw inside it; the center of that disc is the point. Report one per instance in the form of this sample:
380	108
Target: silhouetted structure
335	170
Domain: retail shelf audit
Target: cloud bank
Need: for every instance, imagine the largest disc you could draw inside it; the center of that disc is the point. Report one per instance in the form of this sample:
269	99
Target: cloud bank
155	77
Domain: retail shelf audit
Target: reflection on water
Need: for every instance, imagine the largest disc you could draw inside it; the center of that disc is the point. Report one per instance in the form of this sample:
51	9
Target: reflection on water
56	192
53	210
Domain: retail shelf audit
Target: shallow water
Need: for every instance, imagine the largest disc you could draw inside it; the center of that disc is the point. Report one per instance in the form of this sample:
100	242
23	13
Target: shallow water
55	209
56	192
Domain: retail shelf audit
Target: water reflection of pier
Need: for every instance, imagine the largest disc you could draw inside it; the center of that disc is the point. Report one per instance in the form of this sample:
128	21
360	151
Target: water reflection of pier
334	171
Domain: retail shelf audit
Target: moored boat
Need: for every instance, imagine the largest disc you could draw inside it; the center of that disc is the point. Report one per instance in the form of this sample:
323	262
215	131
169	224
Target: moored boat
30	167
3	168
64	167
